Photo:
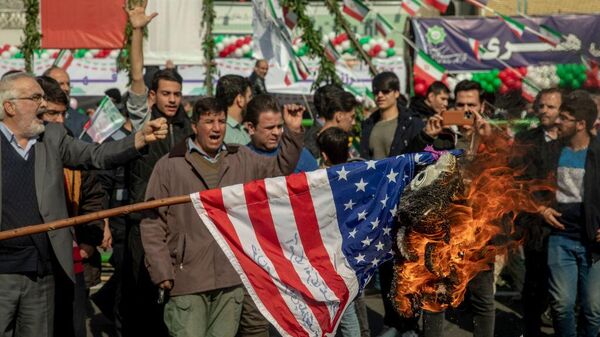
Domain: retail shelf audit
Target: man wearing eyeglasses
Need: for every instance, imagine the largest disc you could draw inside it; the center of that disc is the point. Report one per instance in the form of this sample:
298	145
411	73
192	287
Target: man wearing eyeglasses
32	191
574	244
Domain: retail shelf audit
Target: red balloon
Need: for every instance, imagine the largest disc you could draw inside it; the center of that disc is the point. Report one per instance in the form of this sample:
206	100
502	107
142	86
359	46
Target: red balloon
510	82
55	55
504	89
392	43
376	49
248	39
420	89
518	84
343	37
589	83
239	43
502	75
522	71
222	53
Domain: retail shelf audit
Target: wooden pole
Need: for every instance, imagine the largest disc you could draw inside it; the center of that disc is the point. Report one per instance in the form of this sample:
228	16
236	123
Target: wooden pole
58	224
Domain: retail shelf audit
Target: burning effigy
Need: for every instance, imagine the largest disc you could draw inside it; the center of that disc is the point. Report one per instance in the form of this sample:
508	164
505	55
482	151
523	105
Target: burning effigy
454	219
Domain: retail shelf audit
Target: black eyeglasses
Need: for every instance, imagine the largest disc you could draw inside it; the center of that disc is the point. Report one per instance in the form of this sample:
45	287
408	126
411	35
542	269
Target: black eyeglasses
385	92
37	98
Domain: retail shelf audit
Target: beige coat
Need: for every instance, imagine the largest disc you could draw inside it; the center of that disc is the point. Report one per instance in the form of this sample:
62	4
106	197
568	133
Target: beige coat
177	244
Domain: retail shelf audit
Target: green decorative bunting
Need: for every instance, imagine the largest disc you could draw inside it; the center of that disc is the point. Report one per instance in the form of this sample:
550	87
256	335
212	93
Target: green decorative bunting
31	42
312	38
208	18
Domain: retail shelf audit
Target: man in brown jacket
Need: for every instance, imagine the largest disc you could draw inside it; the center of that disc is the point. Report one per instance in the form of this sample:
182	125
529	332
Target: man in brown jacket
181	255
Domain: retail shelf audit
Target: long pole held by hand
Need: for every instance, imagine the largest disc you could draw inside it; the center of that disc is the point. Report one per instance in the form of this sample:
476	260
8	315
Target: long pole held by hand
58	224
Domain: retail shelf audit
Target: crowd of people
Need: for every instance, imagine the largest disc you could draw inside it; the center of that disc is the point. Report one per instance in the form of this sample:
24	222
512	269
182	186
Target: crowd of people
170	276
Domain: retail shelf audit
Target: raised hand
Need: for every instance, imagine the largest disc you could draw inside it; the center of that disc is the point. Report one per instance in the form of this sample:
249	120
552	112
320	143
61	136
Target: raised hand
292	116
137	16
434	127
152	131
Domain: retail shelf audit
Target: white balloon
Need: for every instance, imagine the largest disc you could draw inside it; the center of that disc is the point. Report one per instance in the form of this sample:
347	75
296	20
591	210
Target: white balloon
382	54
325	39
295	48
94	51
339	48
6	54
246	48
220	46
385	45
13	50
331	35
238	52
366	46
45	56
346	44
114	53
451	82
88	55
379	40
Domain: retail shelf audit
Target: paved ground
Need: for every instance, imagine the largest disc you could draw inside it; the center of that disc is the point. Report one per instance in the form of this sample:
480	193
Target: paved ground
508	319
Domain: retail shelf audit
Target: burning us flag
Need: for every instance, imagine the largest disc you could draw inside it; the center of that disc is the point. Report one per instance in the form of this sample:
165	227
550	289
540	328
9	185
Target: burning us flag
305	245
449	232
106	120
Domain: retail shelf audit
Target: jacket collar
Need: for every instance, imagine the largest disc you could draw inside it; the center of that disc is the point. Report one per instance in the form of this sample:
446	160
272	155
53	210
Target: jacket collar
181	148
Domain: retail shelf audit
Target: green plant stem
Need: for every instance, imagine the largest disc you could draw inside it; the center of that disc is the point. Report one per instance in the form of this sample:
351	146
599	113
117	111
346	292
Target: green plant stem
31	41
208	18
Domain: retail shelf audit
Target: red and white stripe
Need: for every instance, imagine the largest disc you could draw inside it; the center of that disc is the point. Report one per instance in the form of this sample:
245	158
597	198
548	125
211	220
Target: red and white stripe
299	281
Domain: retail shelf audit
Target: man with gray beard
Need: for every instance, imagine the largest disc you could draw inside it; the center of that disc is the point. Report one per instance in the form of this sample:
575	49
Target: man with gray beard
32	191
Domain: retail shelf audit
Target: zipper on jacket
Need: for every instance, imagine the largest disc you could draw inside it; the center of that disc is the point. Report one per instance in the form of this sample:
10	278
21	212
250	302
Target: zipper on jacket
182	253
171	136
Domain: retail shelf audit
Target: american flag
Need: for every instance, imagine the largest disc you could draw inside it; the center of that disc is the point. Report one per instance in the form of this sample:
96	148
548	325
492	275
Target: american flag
305	245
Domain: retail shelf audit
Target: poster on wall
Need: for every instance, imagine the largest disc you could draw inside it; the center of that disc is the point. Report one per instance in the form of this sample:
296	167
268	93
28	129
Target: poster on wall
447	41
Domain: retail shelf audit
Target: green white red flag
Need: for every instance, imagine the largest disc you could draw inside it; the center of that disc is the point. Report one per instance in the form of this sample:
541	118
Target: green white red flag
290	17
549	35
297	72
528	90
356	9
330	52
440	5
428	69
412	7
515	26
104	122
383	26
64	59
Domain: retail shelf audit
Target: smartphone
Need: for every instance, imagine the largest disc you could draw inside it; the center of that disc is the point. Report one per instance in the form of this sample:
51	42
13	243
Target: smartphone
458	117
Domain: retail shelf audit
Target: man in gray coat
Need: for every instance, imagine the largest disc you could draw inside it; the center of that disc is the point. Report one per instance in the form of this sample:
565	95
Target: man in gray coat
32	191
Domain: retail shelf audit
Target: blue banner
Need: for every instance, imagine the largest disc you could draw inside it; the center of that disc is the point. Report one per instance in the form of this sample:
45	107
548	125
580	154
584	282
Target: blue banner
446	40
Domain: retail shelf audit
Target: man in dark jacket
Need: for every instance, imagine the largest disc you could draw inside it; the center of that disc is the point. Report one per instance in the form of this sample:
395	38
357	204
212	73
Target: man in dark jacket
257	79
393	130
142	316
573	245
434	102
534	153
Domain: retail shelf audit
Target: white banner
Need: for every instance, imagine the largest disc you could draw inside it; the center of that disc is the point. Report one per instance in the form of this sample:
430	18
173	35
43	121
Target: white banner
91	77
175	34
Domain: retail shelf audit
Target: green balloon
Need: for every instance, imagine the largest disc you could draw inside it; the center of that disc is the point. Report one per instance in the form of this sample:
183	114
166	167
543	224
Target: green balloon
496	72
18	55
219	38
497	83
575	84
489	88
390	52
364	39
562	83
568	76
248	54
582	77
350	50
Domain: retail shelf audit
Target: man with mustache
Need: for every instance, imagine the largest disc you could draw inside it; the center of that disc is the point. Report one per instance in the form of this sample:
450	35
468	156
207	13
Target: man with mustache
32	187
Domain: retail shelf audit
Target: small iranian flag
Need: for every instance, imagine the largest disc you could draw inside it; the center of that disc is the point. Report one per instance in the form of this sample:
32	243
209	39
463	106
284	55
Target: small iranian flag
515	26
476	48
440	5
291	18
63	59
529	91
297	72
549	35
428	69
356	9
330	52
383	26
106	120
411	7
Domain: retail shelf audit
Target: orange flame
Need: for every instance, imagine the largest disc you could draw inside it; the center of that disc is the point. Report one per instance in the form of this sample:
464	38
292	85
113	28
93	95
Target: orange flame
481	225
